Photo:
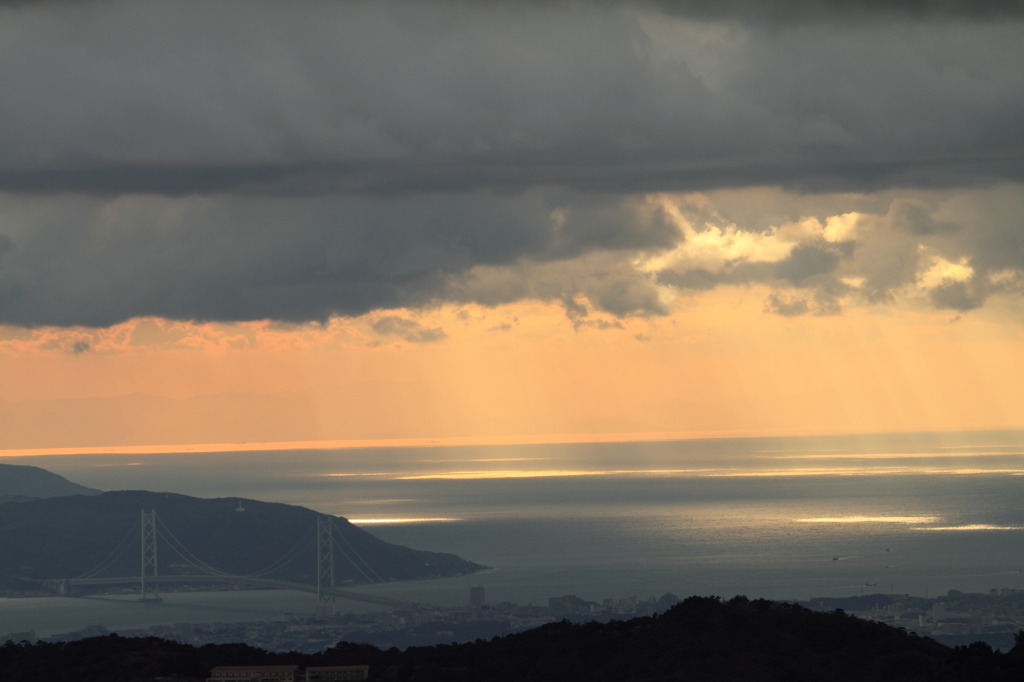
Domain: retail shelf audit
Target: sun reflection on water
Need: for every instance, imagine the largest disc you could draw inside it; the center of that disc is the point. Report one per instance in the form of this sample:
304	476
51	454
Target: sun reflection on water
736	472
971	526
489	459
418	519
909	520
894	455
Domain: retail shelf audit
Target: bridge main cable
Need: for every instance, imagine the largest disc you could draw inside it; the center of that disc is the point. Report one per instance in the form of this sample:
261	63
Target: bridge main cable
149	579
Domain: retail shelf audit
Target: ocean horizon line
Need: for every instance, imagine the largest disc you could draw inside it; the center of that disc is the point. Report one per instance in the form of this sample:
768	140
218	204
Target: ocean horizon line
468	441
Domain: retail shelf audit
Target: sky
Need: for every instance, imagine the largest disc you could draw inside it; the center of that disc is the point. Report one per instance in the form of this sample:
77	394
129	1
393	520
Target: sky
255	221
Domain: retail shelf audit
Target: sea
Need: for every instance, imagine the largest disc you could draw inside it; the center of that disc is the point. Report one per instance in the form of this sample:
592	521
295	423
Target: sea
787	518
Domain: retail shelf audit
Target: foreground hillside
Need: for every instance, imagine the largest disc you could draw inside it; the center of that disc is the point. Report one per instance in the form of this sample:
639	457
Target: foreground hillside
64	537
698	639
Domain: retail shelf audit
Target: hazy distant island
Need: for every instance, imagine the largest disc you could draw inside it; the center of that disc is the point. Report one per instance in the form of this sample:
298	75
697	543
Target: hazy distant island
20	482
46	535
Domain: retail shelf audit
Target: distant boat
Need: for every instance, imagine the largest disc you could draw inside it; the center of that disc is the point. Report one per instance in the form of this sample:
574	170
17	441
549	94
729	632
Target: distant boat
835	557
870	584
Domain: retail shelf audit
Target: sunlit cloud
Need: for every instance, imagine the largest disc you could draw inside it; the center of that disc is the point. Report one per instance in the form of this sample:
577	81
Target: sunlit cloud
734	472
943	271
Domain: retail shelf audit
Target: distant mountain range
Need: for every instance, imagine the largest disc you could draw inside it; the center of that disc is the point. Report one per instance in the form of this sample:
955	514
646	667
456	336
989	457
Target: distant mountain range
21	481
52	528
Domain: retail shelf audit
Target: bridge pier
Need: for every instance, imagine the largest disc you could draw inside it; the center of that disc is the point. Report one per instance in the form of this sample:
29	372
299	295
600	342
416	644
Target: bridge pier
149	591
325	567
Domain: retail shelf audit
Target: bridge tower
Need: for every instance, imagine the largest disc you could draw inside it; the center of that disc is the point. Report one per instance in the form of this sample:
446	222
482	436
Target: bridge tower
324	566
149	591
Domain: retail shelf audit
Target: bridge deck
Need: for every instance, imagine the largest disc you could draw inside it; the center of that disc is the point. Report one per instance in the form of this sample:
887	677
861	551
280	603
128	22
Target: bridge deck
255	582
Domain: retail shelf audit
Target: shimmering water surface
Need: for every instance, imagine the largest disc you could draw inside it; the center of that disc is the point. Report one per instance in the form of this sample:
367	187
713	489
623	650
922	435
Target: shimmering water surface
783	518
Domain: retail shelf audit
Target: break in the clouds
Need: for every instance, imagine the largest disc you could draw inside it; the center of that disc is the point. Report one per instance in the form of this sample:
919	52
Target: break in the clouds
294	161
947	250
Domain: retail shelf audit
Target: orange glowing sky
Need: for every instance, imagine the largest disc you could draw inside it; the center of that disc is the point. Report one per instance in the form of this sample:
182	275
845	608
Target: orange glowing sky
445	221
717	364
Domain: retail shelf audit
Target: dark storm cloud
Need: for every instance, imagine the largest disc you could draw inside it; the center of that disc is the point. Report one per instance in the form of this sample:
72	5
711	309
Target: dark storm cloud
79	260
294	161
787	307
579	316
819	304
957	296
738	271
409	330
995	239
841	10
575	311
808	260
806	281
914	217
692	279
190	97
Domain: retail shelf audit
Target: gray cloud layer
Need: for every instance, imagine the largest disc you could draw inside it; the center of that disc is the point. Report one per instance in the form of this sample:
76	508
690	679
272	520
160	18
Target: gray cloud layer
393	97
90	261
815	11
246	160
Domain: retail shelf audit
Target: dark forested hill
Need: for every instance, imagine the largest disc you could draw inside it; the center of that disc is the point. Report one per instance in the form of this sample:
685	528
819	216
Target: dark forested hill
699	639
19	481
706	639
64	537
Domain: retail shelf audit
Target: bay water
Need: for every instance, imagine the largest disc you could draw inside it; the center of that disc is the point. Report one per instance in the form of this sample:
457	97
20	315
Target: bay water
779	518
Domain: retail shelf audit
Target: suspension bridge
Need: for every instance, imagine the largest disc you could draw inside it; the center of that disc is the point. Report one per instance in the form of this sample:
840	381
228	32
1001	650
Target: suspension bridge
152	529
